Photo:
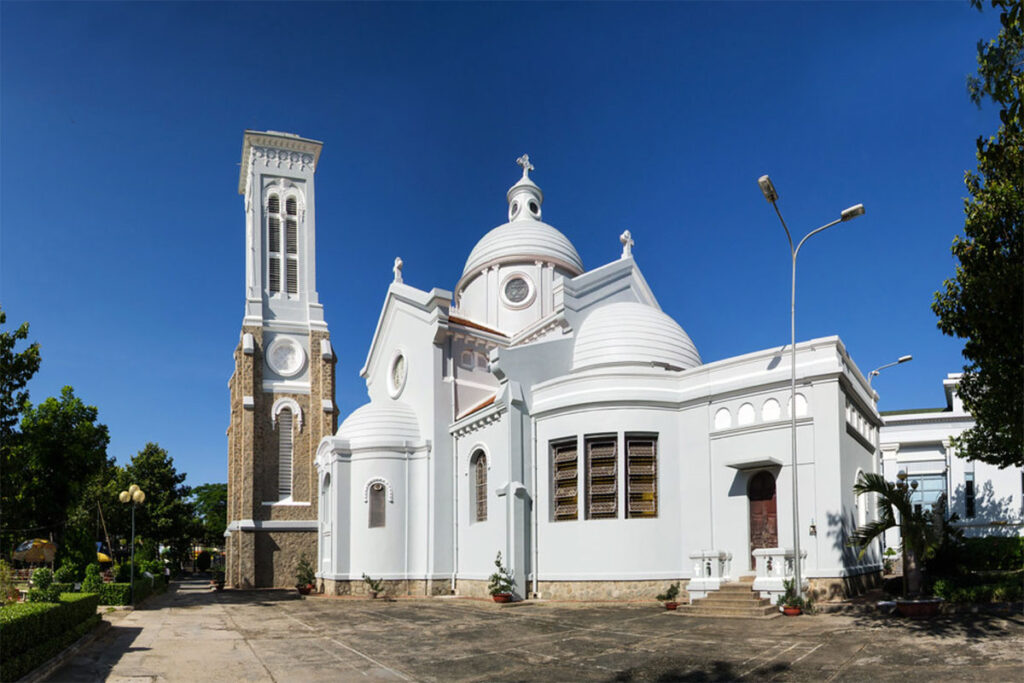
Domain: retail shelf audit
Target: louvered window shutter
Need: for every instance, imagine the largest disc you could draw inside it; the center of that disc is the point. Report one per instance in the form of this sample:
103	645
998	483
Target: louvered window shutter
602	480
565	468
642	476
284	458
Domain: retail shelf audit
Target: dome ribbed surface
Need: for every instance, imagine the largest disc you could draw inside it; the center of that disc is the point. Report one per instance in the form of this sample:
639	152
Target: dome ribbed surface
523	239
632	334
383	421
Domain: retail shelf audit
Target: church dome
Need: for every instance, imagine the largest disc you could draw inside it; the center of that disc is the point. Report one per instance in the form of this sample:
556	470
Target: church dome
630	333
380	421
525	237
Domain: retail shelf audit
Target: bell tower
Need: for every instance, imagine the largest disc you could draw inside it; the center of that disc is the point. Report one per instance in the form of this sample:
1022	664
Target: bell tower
282	388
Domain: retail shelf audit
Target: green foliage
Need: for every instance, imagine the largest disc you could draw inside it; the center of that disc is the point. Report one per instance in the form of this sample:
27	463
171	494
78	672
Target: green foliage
68	572
34	632
123	572
789	597
16	369
373	585
121	593
981	588
304	572
42	577
8	591
984	302
501	581
211	506
167	514
670	594
93	583
993	553
922	532
203	561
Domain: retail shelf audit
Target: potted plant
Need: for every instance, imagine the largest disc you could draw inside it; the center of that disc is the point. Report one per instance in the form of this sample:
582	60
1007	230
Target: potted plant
373	586
790	602
921	534
502	584
669	596
305	576
218	579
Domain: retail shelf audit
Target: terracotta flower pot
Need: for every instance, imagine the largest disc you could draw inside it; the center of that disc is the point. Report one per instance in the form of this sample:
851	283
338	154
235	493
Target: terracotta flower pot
671	604
918	609
502	597
306	589
790	611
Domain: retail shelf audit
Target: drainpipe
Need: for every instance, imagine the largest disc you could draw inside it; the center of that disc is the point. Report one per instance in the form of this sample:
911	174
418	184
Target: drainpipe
536	544
405	561
455	510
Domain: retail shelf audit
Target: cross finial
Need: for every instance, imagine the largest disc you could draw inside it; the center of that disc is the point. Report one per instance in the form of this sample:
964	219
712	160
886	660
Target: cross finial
627	244
398	269
524	161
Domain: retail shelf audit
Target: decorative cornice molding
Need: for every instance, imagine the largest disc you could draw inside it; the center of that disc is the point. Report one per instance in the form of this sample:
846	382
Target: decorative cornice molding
378	480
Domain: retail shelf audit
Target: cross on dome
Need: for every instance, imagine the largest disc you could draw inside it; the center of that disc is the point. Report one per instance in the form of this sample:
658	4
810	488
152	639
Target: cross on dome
524	161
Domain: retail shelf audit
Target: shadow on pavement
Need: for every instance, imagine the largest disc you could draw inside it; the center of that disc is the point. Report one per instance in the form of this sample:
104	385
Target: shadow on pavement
946	626
712	671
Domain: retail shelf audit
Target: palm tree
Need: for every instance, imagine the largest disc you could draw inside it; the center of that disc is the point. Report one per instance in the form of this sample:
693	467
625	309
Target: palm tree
920	532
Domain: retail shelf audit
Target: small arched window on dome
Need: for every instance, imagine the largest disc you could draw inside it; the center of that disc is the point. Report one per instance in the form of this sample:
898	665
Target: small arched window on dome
479	468
377	504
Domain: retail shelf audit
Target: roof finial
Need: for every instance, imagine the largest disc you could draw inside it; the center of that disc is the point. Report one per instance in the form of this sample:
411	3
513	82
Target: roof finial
398	269
524	161
627	244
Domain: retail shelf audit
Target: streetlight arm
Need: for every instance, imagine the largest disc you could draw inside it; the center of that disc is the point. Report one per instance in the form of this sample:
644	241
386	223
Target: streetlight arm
814	232
786	228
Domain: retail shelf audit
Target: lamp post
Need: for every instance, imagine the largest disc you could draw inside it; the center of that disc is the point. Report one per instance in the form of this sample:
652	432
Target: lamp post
772	196
874	373
135	496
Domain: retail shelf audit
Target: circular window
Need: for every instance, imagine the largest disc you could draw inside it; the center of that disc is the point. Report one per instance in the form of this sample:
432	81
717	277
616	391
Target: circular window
517	291
396	378
285	356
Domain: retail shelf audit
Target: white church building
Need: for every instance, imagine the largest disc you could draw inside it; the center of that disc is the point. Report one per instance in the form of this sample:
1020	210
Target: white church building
556	414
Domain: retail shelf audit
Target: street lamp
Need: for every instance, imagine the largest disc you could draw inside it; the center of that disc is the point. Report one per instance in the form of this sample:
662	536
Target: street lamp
135	496
772	196
874	373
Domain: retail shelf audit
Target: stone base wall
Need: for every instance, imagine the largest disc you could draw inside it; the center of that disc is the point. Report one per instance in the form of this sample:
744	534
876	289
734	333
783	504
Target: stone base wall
604	590
394	588
840	588
267	559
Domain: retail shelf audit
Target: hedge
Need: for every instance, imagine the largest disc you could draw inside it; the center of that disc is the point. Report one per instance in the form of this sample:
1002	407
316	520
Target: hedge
981	588
993	553
120	593
34	632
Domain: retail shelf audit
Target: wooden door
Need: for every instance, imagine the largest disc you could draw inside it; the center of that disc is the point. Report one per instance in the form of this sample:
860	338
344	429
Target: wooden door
764	528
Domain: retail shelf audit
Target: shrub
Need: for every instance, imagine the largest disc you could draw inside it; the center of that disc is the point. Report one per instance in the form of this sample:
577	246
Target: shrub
67	573
93	582
42	578
203	561
123	572
501	581
8	591
304	574
980	588
34	632
670	594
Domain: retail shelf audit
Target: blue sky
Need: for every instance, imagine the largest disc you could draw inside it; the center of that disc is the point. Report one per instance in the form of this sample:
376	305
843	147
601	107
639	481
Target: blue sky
121	231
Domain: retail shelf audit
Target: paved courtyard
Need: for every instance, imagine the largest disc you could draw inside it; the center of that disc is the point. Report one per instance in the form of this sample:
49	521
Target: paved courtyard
194	634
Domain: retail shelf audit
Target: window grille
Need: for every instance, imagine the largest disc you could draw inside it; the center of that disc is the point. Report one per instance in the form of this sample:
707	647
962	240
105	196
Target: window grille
274	204
969	494
275	274
292	236
284	454
290	206
377	501
602	481
480	474
293	276
274	234
642	476
565	466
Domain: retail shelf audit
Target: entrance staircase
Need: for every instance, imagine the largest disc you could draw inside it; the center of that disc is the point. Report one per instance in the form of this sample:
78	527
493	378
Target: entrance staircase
736	599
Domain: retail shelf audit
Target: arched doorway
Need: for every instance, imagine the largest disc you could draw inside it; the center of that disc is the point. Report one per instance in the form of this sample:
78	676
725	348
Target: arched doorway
764	523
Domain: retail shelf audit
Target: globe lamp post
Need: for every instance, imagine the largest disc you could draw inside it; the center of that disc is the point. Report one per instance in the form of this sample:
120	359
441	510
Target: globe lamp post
768	190
135	496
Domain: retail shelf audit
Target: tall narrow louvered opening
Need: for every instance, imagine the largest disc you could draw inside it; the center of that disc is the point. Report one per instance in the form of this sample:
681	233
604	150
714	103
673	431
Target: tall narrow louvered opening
642	476
291	206
293	276
480	467
275	274
565	471
377	501
292	236
284	454
602	471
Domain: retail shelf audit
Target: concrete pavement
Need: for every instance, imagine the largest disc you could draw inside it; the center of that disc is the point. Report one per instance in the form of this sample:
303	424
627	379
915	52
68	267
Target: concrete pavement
194	634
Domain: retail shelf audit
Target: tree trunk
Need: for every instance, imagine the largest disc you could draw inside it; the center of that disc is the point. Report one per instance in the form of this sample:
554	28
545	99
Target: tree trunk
912	574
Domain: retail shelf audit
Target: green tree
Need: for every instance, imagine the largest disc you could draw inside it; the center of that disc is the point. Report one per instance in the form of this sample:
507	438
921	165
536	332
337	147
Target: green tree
16	369
984	302
211	505
920	532
60	449
166	516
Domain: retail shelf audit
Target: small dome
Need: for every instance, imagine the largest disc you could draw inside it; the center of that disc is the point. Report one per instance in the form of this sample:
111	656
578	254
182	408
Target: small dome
631	333
523	240
381	421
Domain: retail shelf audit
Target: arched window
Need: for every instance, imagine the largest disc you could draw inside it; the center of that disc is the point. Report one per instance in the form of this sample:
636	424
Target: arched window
284	454
274	244
378	499
479	467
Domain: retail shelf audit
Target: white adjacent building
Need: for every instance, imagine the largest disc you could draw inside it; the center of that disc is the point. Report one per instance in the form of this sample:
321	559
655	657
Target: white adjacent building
988	501
556	414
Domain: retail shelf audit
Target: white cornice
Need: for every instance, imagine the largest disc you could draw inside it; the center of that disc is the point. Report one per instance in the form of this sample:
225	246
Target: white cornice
279	141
